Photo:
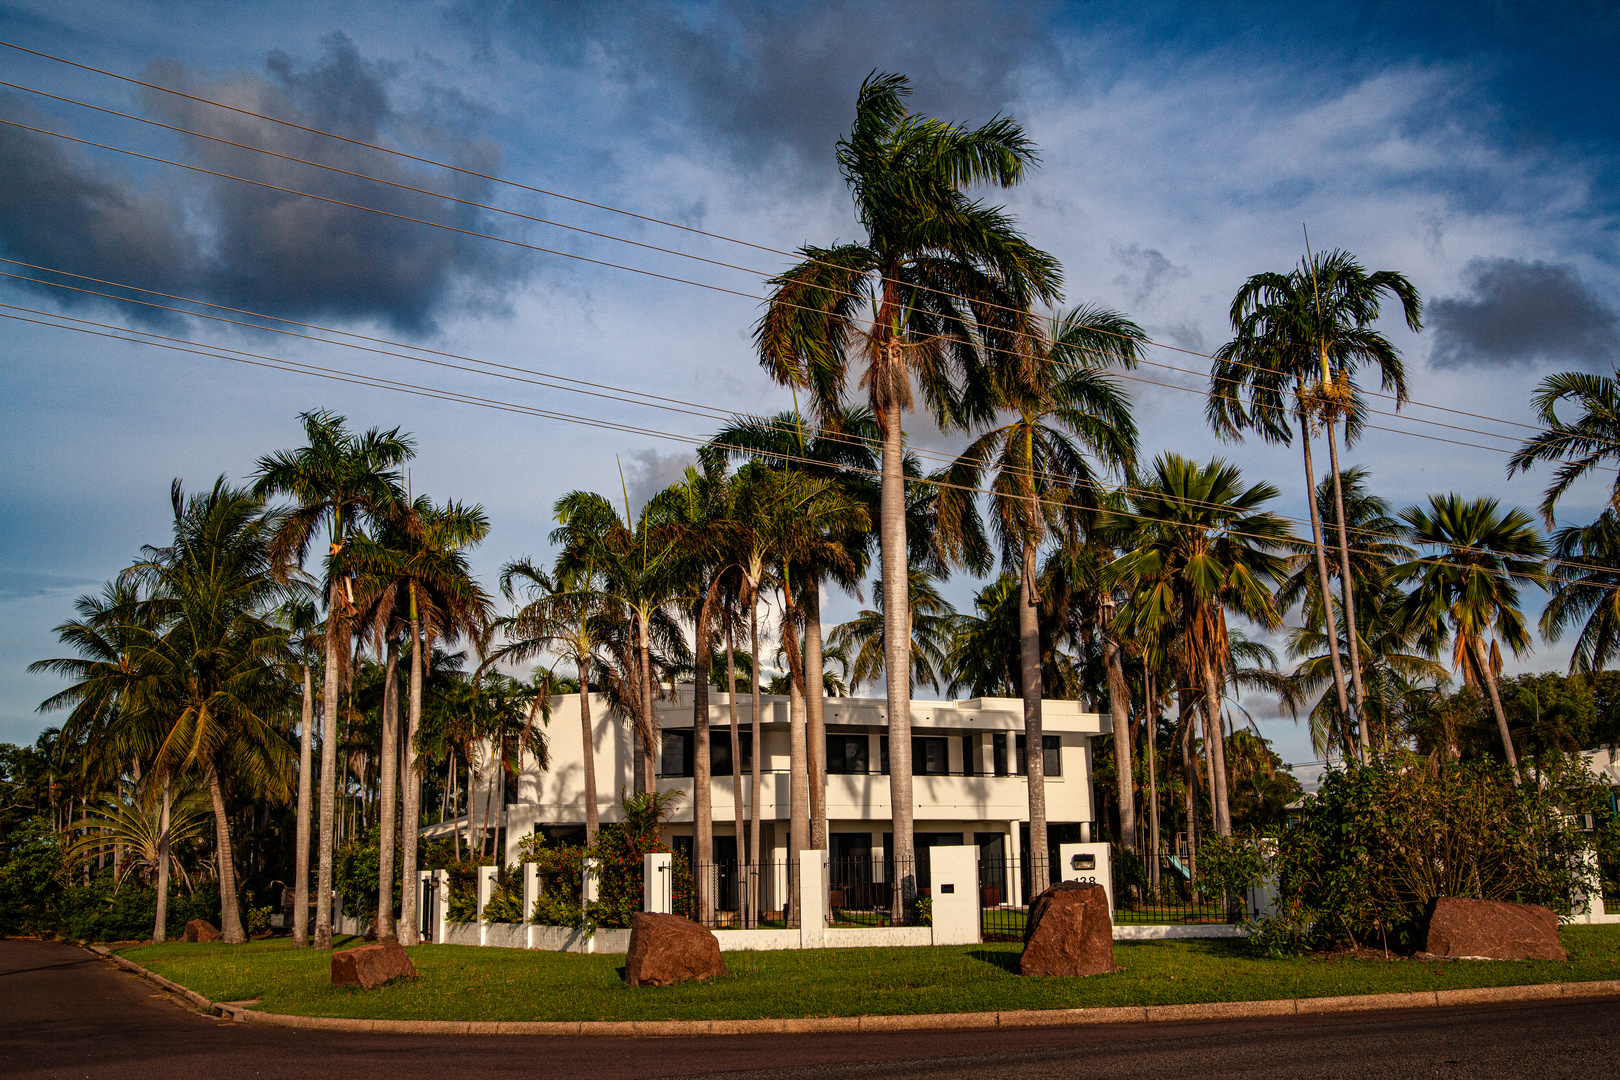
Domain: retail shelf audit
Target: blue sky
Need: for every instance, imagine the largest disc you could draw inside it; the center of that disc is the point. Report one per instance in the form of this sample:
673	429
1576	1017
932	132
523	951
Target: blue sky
1473	146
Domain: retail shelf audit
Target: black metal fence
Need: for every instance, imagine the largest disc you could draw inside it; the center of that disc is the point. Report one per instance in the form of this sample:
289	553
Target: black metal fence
1147	892
736	895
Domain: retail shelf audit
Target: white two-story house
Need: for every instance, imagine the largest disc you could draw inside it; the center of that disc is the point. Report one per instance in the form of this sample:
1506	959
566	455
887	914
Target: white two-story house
967	765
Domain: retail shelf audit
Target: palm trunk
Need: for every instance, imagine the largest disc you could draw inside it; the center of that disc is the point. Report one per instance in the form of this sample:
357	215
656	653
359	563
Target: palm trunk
329	778
160	922
1186	707
736	747
1216	749
1119	703
897	657
388	795
1029	663
815	699
756	755
230	917
587	736
649	759
411	799
1329	619
1347	592
797	760
1488	677
1153	780
306	747
702	791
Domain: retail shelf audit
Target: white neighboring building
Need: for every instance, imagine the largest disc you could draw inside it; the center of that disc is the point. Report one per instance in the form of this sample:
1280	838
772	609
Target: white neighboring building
966	763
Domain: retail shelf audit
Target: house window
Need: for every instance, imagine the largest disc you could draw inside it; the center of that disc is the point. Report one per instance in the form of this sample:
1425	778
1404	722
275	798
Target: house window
847	754
720	751
677	757
998	753
970	767
1051	757
930	756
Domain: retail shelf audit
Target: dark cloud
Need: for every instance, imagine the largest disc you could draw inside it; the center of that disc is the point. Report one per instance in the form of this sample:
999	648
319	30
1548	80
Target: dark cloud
647	472
1146	271
775	84
1519	313
256	248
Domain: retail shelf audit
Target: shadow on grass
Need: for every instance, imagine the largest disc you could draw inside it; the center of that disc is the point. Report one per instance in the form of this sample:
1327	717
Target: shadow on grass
1004	959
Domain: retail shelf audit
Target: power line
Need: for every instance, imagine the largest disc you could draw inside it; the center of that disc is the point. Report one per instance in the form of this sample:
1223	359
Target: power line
151	338
665	277
545	379
600	206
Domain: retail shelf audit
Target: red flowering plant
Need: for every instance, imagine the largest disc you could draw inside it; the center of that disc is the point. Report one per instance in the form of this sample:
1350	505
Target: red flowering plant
619	849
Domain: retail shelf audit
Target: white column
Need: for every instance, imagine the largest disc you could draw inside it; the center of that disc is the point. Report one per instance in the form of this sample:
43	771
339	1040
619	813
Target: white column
590	886
1015	866
658	883
955	878
486	887
1088	863
441	904
812	899
531	893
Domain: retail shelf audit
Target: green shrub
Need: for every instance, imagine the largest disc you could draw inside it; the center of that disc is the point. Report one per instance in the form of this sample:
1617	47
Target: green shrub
1377	843
1228	865
506	898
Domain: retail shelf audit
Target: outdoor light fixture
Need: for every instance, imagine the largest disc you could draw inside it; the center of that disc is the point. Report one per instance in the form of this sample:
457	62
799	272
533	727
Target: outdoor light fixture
1082	861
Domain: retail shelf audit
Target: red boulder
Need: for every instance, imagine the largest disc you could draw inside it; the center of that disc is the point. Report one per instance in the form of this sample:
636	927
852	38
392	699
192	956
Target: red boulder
1070	932
670	949
201	930
1492	930
371	966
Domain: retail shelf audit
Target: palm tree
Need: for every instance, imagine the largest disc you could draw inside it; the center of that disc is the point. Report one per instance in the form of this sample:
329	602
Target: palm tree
842	451
933	630
109	695
950	282
304	630
1469	588
343	481
215	659
1390	652
1586	571
423	587
637	569
563	614
1306	332
1067	410
1201	545
1583	445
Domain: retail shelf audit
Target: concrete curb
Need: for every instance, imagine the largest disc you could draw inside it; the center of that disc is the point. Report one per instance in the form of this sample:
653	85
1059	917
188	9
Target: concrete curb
1021	1018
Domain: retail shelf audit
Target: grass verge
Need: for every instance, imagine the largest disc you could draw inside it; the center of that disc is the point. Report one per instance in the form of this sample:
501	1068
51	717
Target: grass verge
466	983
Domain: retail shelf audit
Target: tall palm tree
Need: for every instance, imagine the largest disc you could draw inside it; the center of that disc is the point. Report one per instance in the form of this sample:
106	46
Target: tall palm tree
216	657
1066	411
304	633
343	481
1584	445
1586	571
1389	652
1201	545
949	281
1304	334
841	450
1468	589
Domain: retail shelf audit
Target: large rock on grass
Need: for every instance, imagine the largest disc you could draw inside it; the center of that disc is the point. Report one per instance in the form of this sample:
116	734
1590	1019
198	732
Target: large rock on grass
371	966
670	949
201	930
1491	930
1070	932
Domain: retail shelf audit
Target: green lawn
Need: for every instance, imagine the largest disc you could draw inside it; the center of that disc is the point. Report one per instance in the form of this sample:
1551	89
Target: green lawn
465	983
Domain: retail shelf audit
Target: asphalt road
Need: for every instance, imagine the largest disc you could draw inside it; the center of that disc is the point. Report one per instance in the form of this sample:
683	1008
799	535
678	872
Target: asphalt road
66	1013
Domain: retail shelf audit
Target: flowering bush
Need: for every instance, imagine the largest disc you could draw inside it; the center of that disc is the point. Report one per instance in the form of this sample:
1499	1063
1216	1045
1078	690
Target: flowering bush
619	848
